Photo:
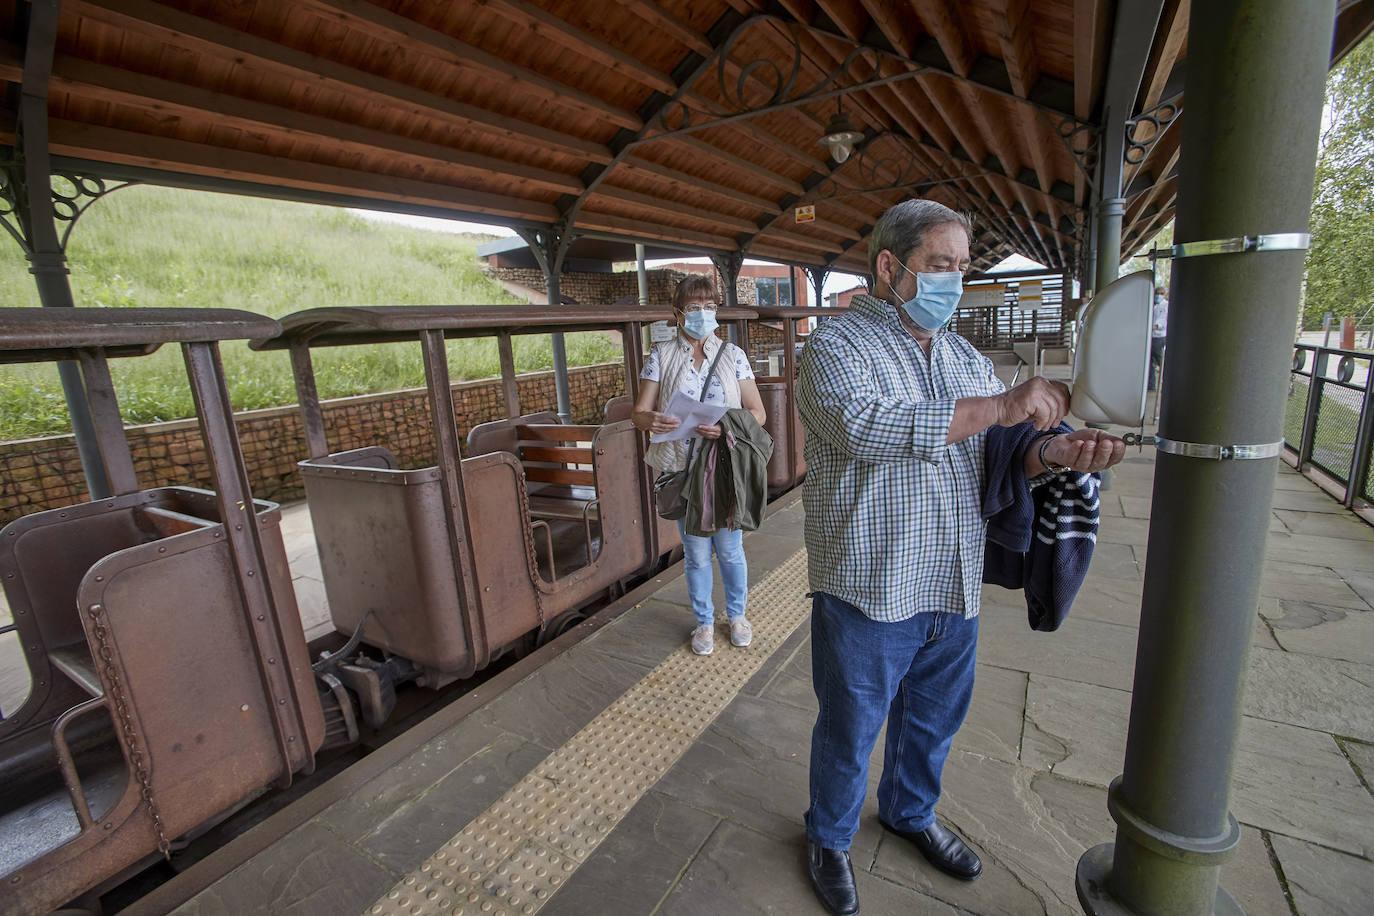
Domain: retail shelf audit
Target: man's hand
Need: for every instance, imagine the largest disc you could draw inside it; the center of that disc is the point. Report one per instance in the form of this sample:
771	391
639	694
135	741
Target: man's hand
1038	400
1086	450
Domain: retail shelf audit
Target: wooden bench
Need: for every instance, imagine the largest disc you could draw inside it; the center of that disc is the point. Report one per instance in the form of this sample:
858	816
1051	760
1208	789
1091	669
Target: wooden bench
569	493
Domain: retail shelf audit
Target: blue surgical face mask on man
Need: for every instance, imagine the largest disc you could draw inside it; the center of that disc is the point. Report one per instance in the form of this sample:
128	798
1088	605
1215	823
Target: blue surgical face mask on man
699	323
937	296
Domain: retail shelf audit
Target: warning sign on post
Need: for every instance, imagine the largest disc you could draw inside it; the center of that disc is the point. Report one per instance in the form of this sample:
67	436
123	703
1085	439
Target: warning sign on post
806	214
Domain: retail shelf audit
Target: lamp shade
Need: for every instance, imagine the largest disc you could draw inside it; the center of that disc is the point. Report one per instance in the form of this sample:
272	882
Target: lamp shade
840	136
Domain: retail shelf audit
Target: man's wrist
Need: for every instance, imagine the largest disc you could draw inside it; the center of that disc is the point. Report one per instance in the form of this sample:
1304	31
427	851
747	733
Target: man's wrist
1044	460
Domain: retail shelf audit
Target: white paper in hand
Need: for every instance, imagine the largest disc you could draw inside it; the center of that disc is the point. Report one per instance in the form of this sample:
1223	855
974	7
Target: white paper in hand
691	413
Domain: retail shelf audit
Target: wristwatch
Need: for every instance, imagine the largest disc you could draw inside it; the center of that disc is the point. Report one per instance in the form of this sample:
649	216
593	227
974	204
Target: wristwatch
1056	468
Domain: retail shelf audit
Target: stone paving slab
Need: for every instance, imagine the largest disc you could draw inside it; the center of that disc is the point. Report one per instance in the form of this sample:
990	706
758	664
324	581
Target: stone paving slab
311	871
1286	779
1324	882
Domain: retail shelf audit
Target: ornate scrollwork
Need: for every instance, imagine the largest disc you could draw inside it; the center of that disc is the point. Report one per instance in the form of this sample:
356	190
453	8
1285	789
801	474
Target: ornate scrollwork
762	83
1081	141
73	194
11	197
1160	117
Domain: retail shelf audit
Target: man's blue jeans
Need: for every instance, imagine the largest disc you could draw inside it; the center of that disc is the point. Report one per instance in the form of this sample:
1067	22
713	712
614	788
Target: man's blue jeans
918	675
734	572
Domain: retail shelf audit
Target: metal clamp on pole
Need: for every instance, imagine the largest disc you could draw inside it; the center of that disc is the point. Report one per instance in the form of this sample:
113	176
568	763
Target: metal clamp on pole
1278	241
1218	452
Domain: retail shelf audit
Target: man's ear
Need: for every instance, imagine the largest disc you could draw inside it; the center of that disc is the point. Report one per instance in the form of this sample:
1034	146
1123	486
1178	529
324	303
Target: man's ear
883	264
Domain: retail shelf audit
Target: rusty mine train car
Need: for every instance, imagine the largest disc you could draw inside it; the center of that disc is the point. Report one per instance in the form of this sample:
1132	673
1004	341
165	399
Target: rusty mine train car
170	680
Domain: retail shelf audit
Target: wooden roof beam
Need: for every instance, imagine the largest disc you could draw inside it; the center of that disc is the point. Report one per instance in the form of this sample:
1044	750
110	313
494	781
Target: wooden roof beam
699	185
393	28
694	142
1089	55
161	97
545	24
1173	23
891	18
68	138
639	229
263	57
941	18
669	24
672	207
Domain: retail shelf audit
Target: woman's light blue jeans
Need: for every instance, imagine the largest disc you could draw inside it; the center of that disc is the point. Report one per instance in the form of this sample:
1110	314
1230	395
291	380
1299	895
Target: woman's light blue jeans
917	674
734	572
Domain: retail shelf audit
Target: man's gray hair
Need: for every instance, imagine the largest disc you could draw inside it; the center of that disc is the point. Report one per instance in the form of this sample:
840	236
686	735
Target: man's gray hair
903	228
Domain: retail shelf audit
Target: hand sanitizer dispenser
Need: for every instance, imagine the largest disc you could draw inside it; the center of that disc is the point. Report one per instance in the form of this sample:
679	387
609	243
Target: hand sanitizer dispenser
1111	366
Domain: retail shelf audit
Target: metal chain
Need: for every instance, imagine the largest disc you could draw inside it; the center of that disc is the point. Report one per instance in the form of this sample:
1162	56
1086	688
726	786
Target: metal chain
126	725
531	563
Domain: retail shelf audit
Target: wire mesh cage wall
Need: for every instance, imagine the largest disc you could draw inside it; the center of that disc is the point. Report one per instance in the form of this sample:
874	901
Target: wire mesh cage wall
1328	417
1005	317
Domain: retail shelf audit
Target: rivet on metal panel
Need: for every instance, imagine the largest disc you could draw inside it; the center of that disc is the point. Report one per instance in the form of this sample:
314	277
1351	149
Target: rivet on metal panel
281	701
290	738
262	617
96	610
271	661
244	707
238	527
251	573
162	550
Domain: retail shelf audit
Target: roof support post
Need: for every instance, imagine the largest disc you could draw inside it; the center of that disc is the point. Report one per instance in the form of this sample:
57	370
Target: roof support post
1256	74
642	276
550	247
28	191
1132	35
817	276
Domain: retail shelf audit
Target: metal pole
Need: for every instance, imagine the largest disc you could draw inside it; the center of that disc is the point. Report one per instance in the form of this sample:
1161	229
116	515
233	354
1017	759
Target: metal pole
1109	240
643	277
1256	73
47	260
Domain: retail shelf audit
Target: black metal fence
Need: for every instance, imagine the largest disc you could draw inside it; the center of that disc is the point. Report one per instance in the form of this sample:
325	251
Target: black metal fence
1329	422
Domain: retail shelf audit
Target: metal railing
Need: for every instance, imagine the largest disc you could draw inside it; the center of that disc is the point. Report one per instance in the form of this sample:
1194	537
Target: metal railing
1329	421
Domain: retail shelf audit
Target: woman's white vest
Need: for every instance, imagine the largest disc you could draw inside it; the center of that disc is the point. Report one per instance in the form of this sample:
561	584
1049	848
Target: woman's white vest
674	358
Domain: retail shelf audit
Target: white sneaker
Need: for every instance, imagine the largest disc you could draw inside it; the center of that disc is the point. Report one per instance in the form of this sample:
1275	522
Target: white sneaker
741	633
703	639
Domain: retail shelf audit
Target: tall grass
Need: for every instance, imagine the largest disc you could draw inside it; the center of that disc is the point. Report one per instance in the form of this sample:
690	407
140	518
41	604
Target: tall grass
162	247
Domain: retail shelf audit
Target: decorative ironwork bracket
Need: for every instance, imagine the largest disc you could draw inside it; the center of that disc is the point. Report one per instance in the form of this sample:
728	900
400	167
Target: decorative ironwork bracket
1082	142
72	194
1161	116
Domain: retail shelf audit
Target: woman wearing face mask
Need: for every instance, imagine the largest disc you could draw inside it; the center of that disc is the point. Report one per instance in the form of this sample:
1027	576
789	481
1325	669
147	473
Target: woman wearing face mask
684	364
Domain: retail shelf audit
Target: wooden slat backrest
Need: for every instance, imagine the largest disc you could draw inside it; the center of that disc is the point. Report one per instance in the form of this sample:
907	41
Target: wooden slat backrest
561	454
558	432
565	476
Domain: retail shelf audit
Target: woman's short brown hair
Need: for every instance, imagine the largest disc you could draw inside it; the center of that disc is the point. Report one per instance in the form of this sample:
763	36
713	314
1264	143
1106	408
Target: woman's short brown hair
693	286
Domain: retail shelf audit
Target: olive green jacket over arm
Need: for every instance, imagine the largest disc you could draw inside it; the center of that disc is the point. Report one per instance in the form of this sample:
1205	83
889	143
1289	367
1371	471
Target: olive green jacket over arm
739	486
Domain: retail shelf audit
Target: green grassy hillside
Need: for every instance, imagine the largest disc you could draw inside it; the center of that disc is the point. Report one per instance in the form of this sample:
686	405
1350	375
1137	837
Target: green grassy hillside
146	246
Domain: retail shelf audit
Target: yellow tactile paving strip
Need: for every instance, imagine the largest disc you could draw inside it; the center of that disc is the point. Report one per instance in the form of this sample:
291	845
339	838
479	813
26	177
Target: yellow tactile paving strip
514	856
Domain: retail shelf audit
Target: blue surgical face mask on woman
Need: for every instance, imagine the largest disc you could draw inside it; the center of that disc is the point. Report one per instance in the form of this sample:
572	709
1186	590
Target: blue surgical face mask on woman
699	323
937	296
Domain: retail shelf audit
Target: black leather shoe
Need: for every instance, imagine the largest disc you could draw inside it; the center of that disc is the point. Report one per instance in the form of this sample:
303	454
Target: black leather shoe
833	879
944	850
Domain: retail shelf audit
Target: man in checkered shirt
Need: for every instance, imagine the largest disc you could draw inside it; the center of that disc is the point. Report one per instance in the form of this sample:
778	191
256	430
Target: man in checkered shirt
896	412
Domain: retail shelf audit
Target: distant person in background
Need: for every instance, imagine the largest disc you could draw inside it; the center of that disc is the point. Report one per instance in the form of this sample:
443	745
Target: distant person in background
1159	326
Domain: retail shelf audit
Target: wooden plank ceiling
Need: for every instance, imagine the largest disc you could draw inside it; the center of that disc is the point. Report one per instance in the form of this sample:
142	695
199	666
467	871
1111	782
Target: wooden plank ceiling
691	123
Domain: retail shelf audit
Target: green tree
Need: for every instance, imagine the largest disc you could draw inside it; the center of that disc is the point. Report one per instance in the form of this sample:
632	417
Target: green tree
1340	264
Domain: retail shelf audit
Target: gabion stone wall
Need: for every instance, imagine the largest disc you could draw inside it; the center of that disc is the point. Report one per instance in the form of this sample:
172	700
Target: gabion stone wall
39	474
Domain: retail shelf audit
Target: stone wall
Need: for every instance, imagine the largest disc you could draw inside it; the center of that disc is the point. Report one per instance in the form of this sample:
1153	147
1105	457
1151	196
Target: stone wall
38	474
